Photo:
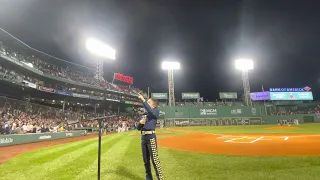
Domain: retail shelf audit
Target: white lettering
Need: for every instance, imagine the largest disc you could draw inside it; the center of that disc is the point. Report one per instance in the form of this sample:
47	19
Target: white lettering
45	137
69	134
6	140
208	112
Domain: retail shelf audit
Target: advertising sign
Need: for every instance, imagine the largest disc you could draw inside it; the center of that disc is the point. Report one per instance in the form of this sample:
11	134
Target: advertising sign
191	95
29	84
208	112
259	96
304	89
45	89
81	95
66	93
294	96
159	95
236	111
5	140
123	78
228	95
96	97
128	102
114	100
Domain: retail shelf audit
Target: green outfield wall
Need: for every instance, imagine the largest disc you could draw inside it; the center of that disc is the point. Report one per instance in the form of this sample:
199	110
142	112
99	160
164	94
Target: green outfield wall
7	140
234	115
213	112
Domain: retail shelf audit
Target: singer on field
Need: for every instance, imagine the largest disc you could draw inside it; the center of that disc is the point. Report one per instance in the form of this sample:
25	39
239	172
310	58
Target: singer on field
147	126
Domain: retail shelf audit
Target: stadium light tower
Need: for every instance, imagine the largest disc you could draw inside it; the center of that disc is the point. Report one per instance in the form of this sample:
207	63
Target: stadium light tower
100	49
170	67
245	65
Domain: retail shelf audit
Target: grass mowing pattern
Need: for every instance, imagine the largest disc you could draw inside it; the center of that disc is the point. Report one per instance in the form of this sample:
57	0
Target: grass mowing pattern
121	159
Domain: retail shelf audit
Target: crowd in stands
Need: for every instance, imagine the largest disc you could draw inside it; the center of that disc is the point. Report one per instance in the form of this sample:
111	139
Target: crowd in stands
314	110
19	117
11	75
288	122
61	71
119	123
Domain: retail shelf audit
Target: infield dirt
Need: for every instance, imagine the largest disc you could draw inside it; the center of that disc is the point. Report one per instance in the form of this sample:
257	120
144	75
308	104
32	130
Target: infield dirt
246	144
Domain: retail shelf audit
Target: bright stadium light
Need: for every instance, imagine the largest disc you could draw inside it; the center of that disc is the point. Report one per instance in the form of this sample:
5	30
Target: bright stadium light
166	65
98	48
245	65
170	67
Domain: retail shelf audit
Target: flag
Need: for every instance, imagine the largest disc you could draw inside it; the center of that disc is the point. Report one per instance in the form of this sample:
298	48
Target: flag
262	88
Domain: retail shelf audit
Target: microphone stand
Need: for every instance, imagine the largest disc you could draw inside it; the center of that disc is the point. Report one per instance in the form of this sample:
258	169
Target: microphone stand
100	119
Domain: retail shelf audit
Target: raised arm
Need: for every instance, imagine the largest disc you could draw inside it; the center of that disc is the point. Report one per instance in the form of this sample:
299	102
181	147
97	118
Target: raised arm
153	112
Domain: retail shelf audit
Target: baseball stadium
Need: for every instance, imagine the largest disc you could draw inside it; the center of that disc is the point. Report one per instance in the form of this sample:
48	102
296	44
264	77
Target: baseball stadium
66	121
49	127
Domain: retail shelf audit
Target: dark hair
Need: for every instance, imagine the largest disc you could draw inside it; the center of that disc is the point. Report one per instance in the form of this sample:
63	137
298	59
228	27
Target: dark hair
155	101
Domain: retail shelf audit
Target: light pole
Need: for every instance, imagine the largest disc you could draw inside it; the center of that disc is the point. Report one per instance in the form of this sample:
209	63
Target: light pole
98	48
245	65
170	67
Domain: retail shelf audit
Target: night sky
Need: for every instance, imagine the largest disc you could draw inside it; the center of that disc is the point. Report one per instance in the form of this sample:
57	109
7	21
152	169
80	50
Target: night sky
281	36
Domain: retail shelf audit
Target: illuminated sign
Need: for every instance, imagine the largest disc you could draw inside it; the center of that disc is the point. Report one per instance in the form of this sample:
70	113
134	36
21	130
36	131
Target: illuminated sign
159	95
29	84
258	96
305	89
228	95
291	96
45	89
123	78
128	102
190	95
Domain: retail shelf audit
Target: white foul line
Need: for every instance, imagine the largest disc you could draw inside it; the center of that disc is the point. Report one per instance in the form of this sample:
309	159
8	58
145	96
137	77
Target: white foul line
221	137
257	139
286	138
236	139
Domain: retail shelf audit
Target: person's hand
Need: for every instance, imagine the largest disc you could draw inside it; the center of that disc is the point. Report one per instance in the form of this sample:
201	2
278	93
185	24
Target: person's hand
142	121
141	98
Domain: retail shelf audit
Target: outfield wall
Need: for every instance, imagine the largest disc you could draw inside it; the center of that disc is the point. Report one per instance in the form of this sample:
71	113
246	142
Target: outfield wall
213	112
7	140
231	115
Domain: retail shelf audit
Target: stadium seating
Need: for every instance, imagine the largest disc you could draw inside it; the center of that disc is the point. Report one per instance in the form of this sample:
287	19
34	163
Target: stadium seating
19	117
64	71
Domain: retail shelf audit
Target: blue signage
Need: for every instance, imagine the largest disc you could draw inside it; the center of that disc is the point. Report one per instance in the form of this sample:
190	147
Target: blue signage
258	96
291	96
305	89
66	93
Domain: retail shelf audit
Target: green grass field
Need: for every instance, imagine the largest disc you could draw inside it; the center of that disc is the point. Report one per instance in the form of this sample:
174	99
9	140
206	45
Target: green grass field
121	160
